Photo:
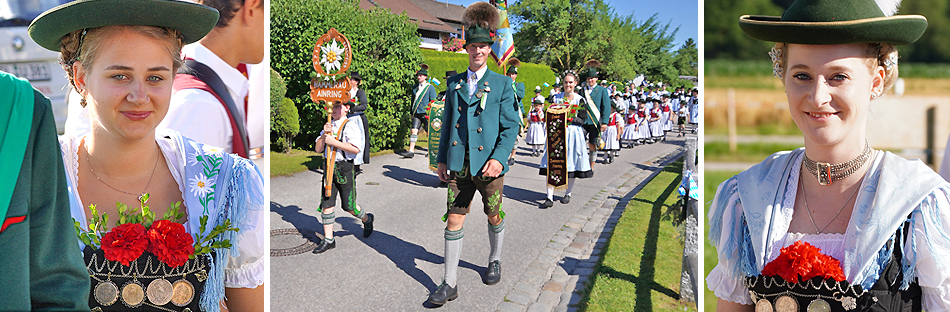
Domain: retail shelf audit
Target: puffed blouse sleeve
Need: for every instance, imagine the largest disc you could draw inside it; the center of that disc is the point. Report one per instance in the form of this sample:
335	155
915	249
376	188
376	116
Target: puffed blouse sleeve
724	219
931	248
247	270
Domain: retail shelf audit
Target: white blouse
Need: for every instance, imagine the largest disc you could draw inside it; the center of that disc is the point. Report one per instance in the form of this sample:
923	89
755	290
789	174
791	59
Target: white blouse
244	271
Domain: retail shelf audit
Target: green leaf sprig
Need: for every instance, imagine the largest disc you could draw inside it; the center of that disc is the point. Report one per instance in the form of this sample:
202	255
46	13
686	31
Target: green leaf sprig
98	222
204	244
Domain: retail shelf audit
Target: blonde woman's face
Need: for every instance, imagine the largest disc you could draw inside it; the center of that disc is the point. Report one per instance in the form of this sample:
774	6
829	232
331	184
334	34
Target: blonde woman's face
569	83
129	87
829	89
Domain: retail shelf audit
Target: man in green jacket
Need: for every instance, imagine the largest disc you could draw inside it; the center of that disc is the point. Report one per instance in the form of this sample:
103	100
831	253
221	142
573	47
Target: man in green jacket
39	252
422	94
519	89
479	126
598	98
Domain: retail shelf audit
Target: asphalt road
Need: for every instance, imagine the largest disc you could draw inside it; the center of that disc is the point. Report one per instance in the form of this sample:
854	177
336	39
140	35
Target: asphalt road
401	263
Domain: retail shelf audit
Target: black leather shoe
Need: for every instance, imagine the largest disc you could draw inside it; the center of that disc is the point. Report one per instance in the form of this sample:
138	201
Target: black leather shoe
324	246
566	199
443	294
368	226
493	273
547	203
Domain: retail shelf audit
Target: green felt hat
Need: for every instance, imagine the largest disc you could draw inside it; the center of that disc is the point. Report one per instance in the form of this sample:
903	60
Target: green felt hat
836	22
480	20
590	72
477	34
194	21
424	70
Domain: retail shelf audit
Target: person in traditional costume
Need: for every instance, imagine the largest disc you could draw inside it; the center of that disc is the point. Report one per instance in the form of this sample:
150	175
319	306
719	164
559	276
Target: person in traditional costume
656	121
422	95
441	96
836	225
480	126
681	113
42	265
536	134
666	113
164	222
694	109
576	154
358	116
340	141
631	135
519	90
599	99
612	135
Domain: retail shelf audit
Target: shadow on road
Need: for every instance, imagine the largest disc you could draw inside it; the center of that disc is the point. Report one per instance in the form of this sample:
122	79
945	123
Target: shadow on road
402	253
524	196
410	176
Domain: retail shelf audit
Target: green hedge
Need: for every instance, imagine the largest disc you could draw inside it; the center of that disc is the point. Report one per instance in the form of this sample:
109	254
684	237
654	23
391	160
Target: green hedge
385	53
530	74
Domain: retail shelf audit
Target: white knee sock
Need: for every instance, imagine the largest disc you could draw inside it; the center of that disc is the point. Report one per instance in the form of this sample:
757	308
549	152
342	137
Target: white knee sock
570	186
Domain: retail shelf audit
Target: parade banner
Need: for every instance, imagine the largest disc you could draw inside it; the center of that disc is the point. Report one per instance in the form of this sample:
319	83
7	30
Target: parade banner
504	46
332	56
556	122
435	110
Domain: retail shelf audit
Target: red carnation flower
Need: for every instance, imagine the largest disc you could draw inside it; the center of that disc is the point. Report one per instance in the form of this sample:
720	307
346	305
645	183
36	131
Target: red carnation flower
570	119
802	261
170	243
125	243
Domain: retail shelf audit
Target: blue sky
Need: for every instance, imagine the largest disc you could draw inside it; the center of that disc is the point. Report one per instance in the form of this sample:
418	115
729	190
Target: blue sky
681	13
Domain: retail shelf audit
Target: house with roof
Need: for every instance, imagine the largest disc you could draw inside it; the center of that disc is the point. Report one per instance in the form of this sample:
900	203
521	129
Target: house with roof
438	22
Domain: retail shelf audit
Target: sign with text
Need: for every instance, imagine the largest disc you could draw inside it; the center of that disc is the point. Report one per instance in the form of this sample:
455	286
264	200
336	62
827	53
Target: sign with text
332	56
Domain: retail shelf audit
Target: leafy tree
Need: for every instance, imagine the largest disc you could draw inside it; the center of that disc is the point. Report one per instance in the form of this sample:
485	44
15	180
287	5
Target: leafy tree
277	91
287	124
385	53
686	58
284	119
564	34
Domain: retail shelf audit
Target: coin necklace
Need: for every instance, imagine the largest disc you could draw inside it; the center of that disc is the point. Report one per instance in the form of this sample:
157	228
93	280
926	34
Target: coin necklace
805	200
141	197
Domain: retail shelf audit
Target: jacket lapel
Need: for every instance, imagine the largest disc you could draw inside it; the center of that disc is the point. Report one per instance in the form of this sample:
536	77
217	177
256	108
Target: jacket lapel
463	91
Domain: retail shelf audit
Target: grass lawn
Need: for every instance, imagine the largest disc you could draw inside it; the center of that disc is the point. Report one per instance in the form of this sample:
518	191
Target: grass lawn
745	152
640	269
711	180
286	164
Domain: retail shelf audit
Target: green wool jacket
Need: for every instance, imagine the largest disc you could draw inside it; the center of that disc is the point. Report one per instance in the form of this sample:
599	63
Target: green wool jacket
468	129
601	98
519	92
419	104
40	258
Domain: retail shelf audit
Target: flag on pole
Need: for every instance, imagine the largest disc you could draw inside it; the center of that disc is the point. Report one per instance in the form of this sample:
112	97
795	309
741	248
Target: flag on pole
504	46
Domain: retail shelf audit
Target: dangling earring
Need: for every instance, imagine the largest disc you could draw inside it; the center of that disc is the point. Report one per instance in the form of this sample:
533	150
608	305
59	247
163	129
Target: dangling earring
82	102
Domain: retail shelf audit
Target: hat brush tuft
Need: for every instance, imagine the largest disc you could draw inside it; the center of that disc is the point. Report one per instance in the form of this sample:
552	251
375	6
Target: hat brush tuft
889	7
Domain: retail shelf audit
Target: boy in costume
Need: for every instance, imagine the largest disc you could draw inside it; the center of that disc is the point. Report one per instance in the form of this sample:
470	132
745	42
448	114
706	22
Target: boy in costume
340	145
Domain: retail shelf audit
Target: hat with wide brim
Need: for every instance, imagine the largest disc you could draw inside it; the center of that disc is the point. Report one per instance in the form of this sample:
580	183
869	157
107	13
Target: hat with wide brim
194	21
835	22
